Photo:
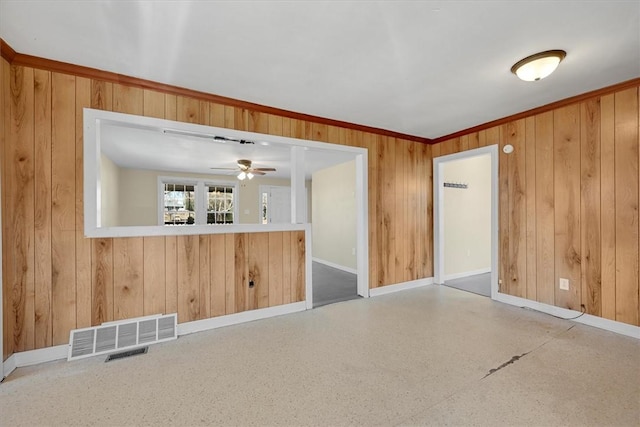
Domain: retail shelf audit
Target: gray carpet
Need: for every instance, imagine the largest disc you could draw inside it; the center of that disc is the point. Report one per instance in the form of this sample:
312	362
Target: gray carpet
331	285
479	284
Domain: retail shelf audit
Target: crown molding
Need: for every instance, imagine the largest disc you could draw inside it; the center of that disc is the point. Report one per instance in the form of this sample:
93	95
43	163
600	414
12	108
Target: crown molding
15	58
542	109
7	51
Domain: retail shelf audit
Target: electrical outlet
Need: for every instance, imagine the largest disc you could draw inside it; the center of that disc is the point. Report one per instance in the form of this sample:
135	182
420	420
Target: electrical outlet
564	284
353	251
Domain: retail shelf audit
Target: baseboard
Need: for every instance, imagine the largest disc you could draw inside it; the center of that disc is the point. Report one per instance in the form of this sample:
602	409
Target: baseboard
234	319
9	365
586	319
336	266
383	290
467	274
34	357
49	354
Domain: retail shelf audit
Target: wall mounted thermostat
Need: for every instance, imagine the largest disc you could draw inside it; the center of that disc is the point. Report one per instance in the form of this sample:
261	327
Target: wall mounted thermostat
508	149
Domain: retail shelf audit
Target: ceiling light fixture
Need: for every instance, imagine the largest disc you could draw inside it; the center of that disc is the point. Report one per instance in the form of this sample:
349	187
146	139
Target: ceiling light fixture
242	175
538	66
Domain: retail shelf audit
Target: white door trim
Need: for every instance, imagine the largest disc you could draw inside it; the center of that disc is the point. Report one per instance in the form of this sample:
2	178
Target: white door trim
438	210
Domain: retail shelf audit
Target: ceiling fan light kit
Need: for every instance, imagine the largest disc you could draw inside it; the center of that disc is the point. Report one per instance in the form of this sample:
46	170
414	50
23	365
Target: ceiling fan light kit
246	170
538	66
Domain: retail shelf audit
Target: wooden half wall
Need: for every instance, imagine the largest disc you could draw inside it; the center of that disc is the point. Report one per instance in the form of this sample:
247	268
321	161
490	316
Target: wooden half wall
55	279
569	204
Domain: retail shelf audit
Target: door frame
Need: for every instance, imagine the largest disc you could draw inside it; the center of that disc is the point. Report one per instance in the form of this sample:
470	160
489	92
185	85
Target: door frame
438	211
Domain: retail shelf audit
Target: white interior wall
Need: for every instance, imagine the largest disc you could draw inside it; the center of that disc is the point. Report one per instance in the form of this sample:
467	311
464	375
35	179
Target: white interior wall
138	195
334	214
467	216
109	188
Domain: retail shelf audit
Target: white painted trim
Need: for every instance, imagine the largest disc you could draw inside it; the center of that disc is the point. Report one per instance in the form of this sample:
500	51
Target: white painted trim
308	274
234	319
336	266
9	365
35	357
383	290
362	224
467	273
93	119
586	319
49	354
438	211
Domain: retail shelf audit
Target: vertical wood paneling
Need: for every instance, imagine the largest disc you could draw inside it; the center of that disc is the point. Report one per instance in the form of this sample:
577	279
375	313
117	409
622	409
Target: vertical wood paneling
153	275
387	221
241	283
188	110
626	183
204	277
170	107
171	273
400	213
21	209
63	207
530	200
58	280
503	217
545	206
128	99
258	257
42	215
5	147
128	278
286	267
427	239
276	265
101	95
514	133
83	244
566	157
153	104
258	122
230	273
217	274
590	263
188	252
101	281
297	266
607	207
216	115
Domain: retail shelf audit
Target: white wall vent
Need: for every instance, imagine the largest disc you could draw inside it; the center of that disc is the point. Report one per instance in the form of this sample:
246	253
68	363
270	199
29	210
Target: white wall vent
121	335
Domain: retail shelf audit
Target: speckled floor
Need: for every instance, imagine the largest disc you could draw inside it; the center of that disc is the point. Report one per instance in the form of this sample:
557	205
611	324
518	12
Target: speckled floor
425	356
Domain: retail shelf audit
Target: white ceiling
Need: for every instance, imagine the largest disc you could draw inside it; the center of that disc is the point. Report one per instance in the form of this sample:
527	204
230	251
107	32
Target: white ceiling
425	68
149	148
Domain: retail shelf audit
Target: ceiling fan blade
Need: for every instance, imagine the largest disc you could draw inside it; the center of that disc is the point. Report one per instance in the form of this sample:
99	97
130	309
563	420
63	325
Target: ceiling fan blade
225	169
255	172
265	169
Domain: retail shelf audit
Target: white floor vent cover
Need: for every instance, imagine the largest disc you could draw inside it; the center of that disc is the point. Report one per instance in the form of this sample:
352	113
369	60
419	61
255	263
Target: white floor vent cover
122	335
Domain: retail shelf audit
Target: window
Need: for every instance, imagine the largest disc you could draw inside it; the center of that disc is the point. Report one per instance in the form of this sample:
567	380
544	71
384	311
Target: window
179	204
187	202
220	205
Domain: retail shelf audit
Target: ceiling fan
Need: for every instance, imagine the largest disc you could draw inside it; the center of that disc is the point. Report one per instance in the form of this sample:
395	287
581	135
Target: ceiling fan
246	170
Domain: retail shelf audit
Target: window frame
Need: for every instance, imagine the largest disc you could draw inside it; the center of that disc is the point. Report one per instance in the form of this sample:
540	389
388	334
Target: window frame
200	197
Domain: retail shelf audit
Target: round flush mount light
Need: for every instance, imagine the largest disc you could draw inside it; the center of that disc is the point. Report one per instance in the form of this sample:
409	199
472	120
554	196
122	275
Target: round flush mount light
537	67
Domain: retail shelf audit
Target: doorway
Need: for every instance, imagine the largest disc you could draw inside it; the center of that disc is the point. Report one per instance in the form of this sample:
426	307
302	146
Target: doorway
471	263
275	204
334	234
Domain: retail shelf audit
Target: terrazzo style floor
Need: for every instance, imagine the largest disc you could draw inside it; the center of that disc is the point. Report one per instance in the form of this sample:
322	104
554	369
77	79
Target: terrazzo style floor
428	356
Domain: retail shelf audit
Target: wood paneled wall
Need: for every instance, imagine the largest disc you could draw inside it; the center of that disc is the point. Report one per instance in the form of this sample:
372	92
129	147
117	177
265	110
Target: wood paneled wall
55	279
569	204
